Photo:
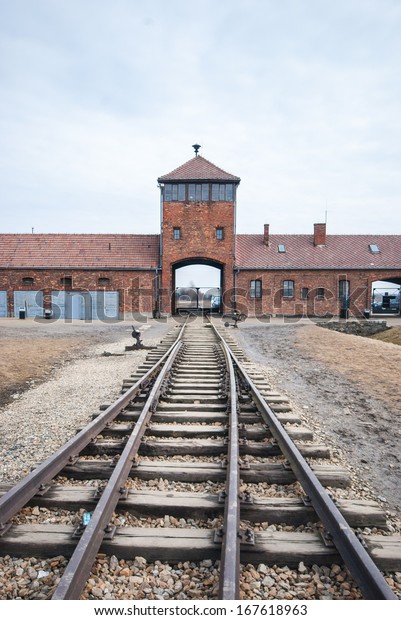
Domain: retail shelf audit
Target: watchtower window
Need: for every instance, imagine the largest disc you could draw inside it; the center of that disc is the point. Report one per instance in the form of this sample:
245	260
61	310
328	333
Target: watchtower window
174	192
181	192
177	233
222	192
195	191
220	233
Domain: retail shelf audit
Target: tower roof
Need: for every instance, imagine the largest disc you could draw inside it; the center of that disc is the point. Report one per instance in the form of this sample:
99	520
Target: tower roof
198	169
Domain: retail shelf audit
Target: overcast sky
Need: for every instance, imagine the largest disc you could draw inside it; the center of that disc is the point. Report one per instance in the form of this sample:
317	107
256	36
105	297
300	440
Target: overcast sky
300	98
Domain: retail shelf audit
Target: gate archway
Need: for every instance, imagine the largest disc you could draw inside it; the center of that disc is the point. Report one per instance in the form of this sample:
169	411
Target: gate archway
197	285
386	296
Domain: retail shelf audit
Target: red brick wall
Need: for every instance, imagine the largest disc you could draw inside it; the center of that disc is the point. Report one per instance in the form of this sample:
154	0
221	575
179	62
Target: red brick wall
273	302
198	222
136	288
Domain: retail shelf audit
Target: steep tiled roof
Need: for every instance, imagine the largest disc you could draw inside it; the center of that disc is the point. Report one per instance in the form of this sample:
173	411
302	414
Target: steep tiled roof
340	252
198	169
79	251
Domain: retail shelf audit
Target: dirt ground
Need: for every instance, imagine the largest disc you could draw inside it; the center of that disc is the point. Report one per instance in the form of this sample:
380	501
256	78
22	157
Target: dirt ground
32	349
392	335
349	384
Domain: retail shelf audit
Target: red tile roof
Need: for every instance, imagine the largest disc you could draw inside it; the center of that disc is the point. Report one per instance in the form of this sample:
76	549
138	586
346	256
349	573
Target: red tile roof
142	251
198	169
79	251
340	252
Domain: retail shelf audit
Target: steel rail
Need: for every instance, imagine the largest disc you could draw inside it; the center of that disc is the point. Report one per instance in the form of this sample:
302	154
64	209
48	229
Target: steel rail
12	501
78	569
361	566
230	554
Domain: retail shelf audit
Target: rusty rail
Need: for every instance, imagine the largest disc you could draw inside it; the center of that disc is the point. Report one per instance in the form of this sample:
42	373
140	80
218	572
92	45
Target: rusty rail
230	554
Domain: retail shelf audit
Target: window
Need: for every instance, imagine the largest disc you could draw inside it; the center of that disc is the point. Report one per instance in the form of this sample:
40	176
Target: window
374	248
198	192
219	233
229	192
174	191
205	191
304	293
103	281
288	288
27	281
256	289
222	191
343	289
66	281
281	248
320	293
177	233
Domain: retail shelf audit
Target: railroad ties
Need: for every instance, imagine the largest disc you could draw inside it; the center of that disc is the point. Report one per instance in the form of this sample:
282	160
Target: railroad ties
197	411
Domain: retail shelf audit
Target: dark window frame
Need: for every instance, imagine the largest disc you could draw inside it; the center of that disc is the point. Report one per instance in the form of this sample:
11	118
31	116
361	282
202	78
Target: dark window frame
176	233
199	192
27	281
255	288
103	281
304	292
219	233
343	288
320	293
288	289
66	281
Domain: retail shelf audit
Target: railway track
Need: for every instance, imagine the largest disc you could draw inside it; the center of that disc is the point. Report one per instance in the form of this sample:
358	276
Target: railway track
196	411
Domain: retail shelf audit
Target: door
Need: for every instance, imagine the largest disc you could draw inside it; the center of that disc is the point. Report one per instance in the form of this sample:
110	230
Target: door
3	304
30	301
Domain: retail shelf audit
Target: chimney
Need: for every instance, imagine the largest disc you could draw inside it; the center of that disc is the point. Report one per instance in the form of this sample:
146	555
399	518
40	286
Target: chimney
266	235
319	237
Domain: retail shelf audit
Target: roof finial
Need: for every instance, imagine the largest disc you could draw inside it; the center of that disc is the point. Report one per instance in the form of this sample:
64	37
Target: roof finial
196	147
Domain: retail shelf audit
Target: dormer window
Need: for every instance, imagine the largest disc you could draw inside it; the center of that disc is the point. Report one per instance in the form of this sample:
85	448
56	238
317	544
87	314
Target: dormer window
281	248
374	248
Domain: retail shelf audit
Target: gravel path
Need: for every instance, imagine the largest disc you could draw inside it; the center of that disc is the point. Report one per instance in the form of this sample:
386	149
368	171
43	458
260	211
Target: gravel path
44	417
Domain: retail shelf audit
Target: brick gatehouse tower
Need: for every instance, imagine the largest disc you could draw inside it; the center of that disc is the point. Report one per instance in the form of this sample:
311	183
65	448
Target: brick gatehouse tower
198	215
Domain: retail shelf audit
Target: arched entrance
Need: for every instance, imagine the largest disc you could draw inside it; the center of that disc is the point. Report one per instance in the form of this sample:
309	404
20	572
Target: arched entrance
197	285
386	296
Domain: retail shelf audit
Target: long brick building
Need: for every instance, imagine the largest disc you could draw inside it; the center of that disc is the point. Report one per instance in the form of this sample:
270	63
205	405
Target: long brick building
112	276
